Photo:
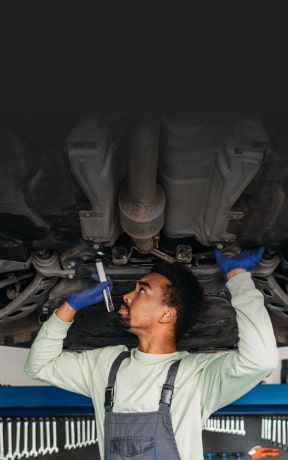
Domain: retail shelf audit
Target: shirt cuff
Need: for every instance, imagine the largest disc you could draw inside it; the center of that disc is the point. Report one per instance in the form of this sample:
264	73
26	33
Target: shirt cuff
57	325
239	283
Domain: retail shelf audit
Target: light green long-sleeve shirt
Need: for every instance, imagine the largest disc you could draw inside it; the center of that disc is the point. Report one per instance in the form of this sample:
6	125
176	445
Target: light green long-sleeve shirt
204	383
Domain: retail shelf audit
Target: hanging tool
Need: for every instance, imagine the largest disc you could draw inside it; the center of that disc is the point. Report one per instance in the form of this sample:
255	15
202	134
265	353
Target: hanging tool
93	432
67	446
84	438
25	452
17	453
88	431
33	451
223	455
41	450
54	448
260	452
78	426
227	424
48	449
106	292
72	430
1	439
9	455
284	433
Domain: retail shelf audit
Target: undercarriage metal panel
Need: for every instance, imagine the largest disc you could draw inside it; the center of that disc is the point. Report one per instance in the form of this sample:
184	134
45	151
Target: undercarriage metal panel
203	170
39	198
275	298
99	167
19	164
264	205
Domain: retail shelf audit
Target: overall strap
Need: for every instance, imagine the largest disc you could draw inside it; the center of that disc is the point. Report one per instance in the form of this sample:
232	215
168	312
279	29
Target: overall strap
168	387
109	390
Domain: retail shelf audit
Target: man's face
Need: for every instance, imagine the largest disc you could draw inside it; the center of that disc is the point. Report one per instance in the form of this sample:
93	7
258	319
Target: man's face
143	307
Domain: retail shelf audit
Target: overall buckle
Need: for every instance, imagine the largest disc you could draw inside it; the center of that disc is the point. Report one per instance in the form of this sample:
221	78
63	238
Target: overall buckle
109	395
166	394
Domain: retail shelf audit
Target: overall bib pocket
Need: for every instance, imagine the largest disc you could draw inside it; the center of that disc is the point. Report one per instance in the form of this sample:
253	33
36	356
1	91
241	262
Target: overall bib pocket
138	447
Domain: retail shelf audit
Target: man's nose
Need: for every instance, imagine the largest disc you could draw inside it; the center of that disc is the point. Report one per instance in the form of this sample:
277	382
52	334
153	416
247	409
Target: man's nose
128	297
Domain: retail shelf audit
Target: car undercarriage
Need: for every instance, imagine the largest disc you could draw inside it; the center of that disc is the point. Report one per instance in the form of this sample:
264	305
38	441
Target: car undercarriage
132	186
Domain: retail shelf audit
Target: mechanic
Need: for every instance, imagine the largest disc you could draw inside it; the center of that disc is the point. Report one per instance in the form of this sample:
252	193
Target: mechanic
144	418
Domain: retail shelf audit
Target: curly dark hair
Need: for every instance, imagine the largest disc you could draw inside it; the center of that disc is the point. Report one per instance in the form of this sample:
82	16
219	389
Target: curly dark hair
184	294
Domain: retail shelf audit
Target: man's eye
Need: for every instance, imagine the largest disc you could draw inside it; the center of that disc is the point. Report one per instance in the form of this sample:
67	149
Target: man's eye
142	290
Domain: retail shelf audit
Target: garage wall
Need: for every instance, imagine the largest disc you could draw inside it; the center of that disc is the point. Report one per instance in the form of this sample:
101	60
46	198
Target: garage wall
12	362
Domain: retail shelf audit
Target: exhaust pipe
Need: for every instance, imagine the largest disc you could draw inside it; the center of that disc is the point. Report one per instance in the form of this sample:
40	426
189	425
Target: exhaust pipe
142	201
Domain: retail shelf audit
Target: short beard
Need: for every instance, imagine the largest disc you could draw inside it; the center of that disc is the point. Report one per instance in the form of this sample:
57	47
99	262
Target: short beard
123	323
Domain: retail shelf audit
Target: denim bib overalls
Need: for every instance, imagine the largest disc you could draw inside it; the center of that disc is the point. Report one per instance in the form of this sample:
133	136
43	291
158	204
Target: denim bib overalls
140	436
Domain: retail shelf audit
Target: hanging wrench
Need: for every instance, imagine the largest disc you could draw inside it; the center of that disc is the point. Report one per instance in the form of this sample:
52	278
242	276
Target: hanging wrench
233	431
269	429
242	426
279	432
84	439
1	440
33	451
47	449
93	432
17	453
78	426
9	455
41	449
88	431
54	430
227	429
284	437
67	435
274	431
237	425
263	425
25	452
72	426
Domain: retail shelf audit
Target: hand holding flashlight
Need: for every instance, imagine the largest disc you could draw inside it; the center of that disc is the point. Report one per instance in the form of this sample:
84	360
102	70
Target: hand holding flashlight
88	296
93	294
106	292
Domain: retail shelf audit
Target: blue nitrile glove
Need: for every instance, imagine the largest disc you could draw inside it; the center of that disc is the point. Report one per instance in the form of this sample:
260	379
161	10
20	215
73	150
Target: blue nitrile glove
96	278
246	260
90	295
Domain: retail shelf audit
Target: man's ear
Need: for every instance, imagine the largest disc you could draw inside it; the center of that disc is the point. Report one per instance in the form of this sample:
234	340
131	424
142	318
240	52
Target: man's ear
168	314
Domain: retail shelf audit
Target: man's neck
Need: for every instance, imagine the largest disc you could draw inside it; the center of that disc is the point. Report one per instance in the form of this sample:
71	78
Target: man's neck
158	346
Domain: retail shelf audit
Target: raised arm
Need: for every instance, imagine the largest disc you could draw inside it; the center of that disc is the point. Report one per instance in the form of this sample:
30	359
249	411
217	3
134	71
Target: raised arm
227	376
46	361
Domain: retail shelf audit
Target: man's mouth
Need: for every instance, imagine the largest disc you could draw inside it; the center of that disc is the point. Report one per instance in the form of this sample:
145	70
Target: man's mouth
124	310
124	317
